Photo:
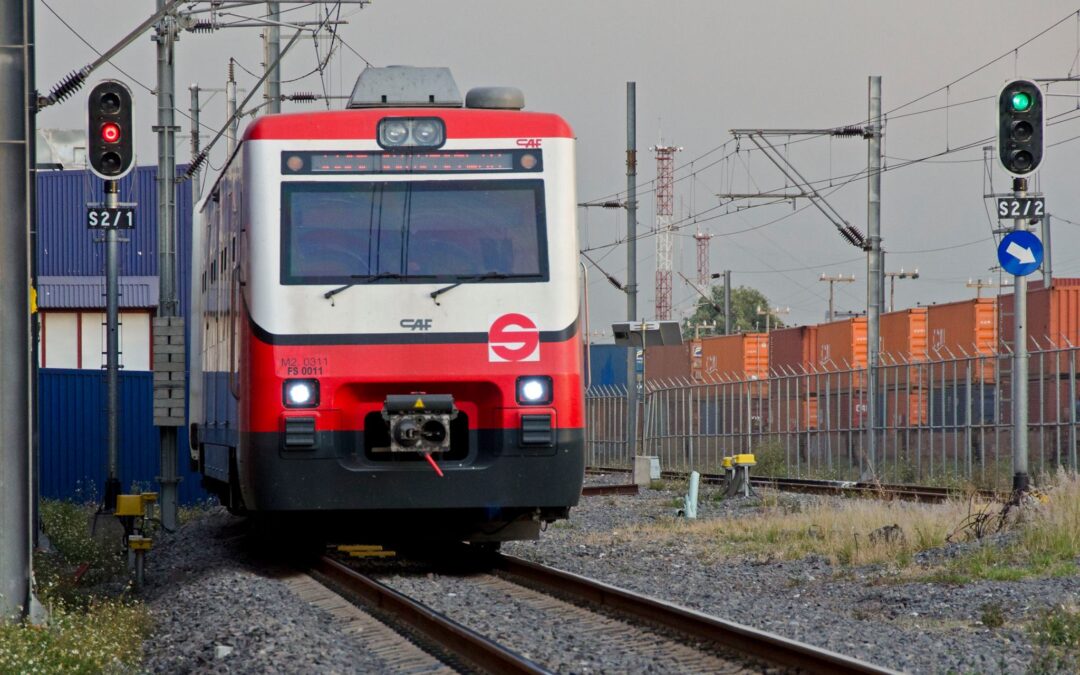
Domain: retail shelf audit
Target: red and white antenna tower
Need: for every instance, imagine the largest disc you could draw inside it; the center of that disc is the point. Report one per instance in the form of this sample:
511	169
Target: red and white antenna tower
703	278
665	197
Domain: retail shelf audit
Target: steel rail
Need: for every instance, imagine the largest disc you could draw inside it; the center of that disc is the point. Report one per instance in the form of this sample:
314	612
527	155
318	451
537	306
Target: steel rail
926	493
622	489
449	635
758	644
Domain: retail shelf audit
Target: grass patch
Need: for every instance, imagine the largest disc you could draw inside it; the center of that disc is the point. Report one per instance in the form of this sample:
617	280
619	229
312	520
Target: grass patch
93	626
105	636
992	615
1044	541
844	531
1057	633
67	526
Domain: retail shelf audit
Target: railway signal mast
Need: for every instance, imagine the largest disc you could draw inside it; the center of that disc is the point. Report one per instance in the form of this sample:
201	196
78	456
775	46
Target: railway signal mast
111	153
1021	123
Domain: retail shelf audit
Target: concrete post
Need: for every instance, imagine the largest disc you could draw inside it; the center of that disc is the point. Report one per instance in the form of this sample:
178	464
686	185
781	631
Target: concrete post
15	137
168	304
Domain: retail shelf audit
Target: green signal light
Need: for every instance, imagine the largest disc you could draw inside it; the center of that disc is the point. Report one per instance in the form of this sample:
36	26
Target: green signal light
1021	101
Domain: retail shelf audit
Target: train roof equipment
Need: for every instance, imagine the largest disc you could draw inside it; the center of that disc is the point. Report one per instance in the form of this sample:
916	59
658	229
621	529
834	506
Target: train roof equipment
424	87
405	87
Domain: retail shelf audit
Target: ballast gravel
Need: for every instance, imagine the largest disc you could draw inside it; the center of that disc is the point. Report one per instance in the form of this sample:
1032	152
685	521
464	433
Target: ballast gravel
215	611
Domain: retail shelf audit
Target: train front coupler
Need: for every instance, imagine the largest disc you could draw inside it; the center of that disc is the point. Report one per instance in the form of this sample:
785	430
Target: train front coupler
420	423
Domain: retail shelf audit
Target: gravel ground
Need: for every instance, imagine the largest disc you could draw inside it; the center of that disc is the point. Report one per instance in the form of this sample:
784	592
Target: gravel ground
214	613
913	627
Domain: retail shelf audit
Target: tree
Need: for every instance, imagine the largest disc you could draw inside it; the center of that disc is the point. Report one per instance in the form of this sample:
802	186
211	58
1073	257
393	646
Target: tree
744	305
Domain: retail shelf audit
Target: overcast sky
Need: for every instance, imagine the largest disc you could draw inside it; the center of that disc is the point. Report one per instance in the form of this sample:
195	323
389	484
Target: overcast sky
702	68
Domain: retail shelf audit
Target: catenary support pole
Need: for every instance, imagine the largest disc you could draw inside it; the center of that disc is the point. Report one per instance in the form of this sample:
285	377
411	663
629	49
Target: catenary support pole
15	137
728	323
1020	366
230	109
193	114
272	48
168	305
874	279
631	264
112	350
1048	265
35	318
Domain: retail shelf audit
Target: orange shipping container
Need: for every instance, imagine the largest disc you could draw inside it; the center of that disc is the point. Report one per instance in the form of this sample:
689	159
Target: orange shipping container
903	336
968	327
792	349
842	344
743	357
1053	314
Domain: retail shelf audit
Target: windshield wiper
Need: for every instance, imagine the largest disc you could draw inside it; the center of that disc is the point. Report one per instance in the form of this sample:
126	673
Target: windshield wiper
364	279
476	277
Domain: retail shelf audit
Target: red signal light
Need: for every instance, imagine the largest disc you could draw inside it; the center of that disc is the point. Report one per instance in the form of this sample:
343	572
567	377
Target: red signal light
110	132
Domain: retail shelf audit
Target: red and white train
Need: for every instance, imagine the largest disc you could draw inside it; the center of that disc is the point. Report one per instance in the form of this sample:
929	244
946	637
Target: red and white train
386	315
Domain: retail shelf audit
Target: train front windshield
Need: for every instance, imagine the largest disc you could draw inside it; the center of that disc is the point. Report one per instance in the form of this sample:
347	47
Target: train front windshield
412	231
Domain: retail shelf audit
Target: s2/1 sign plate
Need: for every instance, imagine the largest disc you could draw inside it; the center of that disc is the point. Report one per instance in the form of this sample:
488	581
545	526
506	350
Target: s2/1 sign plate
104	219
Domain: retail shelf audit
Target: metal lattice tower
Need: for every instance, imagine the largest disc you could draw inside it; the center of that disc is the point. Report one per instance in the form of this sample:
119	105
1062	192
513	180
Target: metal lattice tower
703	278
665	197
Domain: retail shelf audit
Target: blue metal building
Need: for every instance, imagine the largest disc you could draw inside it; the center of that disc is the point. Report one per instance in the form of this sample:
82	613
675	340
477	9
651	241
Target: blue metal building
607	365
70	266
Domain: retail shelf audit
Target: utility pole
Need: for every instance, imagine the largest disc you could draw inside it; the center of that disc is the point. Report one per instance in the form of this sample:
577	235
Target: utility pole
631	263
892	277
979	284
165	34
727	302
874	268
832	279
769	312
16	135
271	53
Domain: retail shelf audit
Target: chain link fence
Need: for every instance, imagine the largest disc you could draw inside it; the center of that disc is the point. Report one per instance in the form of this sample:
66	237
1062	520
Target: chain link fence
941	421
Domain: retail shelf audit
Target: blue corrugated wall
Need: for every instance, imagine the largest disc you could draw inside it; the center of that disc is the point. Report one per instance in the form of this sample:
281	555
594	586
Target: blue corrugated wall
607	365
72	402
67	248
72	435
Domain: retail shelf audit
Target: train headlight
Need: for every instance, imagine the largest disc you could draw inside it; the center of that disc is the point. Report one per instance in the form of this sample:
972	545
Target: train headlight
393	132
427	132
408	132
301	393
534	390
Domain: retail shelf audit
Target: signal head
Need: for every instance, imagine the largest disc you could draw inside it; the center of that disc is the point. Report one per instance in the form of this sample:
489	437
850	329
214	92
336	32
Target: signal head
1021	122
110	148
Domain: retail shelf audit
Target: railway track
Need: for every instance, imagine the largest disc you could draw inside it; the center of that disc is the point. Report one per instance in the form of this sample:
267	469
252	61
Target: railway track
921	493
674	638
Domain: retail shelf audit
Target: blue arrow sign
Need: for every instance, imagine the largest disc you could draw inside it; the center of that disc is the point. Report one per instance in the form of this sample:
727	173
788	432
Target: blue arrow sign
1020	253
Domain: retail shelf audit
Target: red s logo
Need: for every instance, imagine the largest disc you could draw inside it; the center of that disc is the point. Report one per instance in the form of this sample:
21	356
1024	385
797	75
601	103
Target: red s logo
513	337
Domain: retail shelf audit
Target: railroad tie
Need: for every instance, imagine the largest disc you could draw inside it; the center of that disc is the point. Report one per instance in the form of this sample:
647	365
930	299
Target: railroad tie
396	651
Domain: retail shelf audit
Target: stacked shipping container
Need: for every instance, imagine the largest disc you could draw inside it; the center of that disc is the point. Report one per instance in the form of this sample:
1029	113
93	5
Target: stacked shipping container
740	357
